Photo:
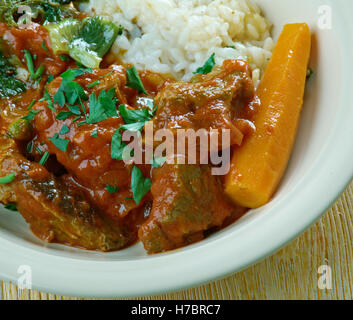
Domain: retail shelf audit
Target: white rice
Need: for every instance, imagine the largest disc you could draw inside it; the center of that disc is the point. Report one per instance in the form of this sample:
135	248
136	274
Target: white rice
178	36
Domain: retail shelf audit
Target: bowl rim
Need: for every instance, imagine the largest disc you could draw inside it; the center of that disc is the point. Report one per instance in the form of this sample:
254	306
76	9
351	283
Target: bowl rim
113	279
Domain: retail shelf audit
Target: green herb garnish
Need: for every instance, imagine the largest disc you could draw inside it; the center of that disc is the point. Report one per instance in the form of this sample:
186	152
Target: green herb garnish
103	107
134	80
208	66
94	134
117	146
44	46
139	184
63	58
61	144
158	162
45	158
30	116
93	84
65	129
29	62
31	104
8	179
111	189
11	207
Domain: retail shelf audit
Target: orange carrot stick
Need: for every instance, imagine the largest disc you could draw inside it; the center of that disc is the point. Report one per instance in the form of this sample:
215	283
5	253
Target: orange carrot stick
259	164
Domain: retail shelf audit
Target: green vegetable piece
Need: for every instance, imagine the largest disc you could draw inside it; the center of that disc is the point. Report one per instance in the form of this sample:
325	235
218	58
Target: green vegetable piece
208	66
20	129
39	72
62	34
29	62
139	184
134	80
8	179
94	40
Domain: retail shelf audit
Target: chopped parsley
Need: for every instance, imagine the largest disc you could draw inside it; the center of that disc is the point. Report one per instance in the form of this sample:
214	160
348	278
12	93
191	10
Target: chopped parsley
29	62
29	148
208	66
135	119
44	46
309	73
139	184
93	84
35	75
103	107
94	134
50	78
45	158
31	104
61	144
31	114
49	100
65	129
11	207
69	90
117	146
134	80
158	162
63	57
111	189
8	179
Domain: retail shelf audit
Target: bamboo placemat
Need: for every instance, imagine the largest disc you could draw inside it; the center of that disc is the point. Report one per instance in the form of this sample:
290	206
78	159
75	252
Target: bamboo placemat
292	273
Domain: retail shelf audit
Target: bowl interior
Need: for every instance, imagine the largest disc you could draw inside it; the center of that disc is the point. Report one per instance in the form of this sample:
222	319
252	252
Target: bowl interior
319	113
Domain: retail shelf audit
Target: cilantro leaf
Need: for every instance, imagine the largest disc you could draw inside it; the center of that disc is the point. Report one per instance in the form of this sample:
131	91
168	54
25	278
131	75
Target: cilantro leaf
70	90
134	80
30	116
111	189
65	129
132	116
61	144
208	66
103	107
11	207
63	115
137	126
94	134
75	110
158	162
117	146
139	184
48	99
45	158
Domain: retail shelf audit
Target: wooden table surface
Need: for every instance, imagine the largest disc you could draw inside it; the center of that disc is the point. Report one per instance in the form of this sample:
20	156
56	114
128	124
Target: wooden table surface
291	273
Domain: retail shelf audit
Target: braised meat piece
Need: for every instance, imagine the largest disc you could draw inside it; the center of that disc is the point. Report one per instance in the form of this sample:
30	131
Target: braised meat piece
215	100
187	200
55	212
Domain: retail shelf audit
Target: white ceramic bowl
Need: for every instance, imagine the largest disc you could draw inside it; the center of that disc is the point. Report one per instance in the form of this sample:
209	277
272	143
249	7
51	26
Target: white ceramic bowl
320	168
